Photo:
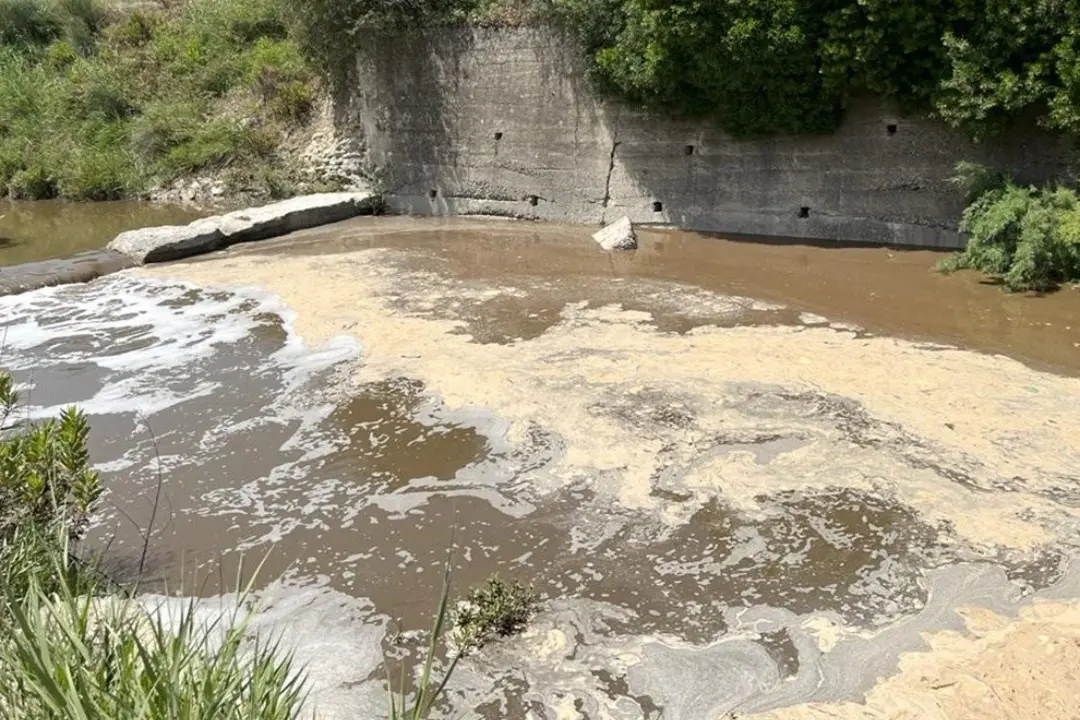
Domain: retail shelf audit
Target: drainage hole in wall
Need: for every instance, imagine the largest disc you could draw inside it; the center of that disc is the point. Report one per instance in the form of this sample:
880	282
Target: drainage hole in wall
432	194
657	206
688	150
804	212
891	128
534	200
498	136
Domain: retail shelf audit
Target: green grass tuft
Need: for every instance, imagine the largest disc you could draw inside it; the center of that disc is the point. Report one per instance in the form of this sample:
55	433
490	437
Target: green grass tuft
98	106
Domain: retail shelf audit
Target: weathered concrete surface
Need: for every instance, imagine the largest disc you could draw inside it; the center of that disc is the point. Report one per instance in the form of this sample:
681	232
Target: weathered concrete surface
502	122
161	244
80	268
170	242
283	217
619	235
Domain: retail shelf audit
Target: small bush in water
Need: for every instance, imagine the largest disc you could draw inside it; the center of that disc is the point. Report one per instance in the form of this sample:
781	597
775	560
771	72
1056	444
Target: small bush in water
1026	237
495	609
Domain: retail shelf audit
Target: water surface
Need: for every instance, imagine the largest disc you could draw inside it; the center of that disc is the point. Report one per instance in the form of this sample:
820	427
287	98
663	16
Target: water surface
31	231
771	508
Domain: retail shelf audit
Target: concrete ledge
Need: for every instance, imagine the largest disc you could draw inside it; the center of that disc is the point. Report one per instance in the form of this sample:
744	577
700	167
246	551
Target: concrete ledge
83	267
162	244
169	242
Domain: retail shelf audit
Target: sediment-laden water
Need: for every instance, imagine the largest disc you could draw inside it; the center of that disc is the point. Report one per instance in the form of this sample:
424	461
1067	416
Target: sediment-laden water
738	489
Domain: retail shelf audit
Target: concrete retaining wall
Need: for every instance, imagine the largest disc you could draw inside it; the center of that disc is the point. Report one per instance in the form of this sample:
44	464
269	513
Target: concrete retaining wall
502	121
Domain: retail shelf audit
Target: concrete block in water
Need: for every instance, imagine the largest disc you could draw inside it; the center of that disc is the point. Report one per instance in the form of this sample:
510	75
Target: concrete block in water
169	242
161	244
619	235
287	216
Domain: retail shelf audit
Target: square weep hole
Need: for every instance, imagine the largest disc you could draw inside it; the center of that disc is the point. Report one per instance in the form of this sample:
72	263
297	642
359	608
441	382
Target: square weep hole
657	206
432	194
804	212
688	150
891	128
498	136
534	200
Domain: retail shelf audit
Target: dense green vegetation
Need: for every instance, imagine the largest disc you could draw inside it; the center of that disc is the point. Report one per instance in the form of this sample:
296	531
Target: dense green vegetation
784	66
98	104
788	66
1027	238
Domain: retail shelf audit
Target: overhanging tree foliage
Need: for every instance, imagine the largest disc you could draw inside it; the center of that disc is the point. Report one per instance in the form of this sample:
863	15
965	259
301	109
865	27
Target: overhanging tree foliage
787	66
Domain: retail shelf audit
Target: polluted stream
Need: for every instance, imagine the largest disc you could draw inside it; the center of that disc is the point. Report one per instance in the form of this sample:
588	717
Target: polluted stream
735	488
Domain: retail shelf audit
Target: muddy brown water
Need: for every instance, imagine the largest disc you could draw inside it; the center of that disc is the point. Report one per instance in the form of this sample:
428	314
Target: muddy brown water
215	423
31	231
888	291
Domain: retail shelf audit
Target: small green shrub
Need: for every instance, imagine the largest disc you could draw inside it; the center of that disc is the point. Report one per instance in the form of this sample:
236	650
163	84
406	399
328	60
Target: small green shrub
1028	238
48	490
495	609
45	471
292	102
33	183
60	55
80	22
135	31
26	23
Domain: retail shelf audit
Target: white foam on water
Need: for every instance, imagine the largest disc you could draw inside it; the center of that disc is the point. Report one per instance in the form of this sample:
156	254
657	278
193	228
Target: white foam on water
141	332
124	324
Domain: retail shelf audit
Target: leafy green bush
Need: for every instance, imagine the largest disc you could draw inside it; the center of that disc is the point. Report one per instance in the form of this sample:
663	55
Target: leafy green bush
495	609
47	492
1028	238
45	472
787	66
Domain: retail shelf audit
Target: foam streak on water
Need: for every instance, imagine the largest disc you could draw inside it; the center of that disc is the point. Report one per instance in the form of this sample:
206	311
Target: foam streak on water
173	378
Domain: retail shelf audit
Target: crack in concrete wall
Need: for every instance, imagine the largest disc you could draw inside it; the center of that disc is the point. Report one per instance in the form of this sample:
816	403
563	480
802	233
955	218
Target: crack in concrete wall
878	179
611	170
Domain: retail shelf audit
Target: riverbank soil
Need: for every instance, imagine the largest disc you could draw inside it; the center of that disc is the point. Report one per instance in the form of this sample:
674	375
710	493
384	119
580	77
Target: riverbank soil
749	478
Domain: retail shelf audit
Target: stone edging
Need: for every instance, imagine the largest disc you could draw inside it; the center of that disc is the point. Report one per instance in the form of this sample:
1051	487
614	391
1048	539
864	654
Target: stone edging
174	242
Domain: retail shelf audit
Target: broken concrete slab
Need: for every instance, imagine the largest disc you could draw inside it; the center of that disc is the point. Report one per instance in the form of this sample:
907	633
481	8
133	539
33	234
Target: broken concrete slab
161	244
169	242
287	216
619	235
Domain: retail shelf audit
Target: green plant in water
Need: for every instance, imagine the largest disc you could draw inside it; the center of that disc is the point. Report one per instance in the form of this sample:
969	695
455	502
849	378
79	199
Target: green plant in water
495	609
403	705
1027	238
